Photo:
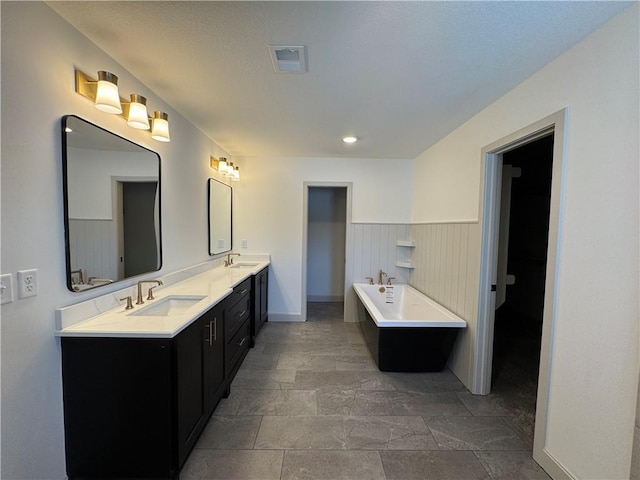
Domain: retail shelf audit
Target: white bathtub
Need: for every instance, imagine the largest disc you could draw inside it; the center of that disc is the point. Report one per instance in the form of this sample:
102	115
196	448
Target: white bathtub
410	308
405	330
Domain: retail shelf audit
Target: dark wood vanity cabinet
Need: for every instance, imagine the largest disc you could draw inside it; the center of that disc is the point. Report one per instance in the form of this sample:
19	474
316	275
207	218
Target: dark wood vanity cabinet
134	407
259	302
237	327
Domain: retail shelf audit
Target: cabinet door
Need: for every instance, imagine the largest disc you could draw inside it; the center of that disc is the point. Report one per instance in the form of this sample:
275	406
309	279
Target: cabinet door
213	331
264	288
191	410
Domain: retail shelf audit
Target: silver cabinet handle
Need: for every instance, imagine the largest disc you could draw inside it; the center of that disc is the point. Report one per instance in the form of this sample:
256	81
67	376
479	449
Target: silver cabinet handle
242	342
215	328
241	313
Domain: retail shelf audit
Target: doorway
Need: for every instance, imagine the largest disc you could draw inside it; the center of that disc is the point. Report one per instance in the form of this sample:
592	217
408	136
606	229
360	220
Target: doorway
525	201
325	239
493	160
136	229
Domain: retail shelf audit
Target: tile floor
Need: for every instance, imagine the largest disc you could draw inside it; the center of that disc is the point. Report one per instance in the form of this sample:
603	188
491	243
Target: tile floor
310	403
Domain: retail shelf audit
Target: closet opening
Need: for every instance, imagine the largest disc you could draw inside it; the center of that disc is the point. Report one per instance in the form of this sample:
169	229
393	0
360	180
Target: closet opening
324	245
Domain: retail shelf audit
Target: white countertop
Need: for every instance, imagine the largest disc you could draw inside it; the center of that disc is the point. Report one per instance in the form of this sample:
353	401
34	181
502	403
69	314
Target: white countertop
214	284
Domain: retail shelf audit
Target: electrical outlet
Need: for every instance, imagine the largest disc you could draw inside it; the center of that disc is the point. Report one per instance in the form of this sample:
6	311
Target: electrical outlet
6	288
243	243
27	283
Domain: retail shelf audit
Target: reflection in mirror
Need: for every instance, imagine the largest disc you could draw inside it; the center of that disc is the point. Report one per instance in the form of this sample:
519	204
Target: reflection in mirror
112	206
219	217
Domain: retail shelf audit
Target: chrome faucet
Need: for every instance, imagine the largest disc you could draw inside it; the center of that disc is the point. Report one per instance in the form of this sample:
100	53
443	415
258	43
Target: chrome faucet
140	301
380	275
229	261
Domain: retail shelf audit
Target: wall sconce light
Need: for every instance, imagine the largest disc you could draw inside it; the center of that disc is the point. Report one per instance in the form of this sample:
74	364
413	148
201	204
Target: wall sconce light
104	94
107	97
160	126
137	116
226	168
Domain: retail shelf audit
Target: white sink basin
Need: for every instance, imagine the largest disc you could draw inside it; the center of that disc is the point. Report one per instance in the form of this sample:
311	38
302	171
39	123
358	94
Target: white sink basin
171	305
243	265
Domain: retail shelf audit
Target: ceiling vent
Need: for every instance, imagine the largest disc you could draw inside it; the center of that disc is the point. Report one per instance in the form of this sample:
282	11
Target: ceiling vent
288	59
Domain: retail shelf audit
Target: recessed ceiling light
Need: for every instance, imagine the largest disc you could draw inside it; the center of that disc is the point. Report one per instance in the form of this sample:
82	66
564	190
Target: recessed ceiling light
349	139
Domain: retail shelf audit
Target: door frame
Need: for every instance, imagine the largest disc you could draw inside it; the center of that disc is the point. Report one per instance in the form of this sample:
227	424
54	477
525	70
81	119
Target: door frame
348	240
489	221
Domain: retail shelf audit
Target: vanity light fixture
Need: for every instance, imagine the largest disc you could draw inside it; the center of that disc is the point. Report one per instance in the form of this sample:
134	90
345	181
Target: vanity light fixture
226	168
104	94
137	116
349	139
160	126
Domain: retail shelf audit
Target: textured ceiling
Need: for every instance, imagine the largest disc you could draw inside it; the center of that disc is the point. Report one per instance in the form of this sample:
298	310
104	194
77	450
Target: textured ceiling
398	75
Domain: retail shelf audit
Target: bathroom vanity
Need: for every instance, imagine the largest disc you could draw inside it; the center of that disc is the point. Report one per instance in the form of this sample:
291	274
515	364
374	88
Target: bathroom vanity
139	388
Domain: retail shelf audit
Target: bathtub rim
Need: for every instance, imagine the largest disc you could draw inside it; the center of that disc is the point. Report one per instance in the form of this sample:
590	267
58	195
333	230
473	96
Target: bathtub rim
380	321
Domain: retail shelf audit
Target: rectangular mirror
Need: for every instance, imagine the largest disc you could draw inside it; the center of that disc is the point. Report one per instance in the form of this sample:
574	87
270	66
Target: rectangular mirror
111	206
219	217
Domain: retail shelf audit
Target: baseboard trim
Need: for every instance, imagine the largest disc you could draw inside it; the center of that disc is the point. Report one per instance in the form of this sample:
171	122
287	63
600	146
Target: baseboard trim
285	317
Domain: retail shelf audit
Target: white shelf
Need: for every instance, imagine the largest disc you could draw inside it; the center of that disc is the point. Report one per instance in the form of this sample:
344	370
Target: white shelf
406	243
405	264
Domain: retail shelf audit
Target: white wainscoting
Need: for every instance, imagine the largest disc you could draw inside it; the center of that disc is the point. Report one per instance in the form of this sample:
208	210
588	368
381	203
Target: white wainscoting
93	248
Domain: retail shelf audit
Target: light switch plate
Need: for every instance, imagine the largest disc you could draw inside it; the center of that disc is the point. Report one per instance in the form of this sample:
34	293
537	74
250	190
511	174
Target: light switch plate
6	288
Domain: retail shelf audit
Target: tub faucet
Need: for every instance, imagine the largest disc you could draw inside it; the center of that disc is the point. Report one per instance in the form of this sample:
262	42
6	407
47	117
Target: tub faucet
140	301
380	275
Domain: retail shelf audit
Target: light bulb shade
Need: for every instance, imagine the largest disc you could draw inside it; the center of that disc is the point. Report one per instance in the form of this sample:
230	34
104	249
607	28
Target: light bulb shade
160	127
236	174
222	165
230	169
107	96
138	117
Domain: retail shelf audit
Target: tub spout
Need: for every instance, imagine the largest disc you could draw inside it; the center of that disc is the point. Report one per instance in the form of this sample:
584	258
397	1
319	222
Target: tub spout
380	275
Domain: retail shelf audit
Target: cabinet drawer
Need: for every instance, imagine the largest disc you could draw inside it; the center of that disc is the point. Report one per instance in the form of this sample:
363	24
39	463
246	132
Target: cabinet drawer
236	315
238	344
239	291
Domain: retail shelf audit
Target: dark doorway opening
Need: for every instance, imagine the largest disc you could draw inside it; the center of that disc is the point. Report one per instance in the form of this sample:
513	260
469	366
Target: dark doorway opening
518	320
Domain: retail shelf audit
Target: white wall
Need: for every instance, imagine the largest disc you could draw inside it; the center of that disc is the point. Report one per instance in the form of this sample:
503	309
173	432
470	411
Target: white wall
39	52
595	352
269	213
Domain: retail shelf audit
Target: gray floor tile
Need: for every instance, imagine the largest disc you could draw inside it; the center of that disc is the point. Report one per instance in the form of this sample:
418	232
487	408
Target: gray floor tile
230	432
301	433
334	465
344	433
303	361
405	403
260	361
314	348
247	379
388	433
483	405
231	404
233	465
278	402
474	433
360	363
432	466
334	401
511	466
344	379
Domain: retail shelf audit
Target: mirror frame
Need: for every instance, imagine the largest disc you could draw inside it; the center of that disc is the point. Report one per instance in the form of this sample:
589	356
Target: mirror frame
210	219
65	192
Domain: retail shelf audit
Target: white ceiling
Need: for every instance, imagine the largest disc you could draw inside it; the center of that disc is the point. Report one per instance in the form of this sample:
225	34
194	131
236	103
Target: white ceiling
398	75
